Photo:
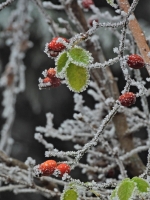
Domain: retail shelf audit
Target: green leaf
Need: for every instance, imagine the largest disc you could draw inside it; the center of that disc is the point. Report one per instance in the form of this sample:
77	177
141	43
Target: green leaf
113	194
125	189
69	194
62	62
77	77
80	56
141	184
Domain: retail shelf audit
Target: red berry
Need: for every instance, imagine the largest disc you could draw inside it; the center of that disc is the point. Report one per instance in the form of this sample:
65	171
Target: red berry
127	99
47	168
56	46
87	3
51	72
135	61
46	80
63	168
55	82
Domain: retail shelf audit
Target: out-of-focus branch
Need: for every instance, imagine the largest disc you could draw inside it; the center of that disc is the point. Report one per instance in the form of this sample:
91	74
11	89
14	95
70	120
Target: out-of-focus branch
6	3
138	34
136	166
11	161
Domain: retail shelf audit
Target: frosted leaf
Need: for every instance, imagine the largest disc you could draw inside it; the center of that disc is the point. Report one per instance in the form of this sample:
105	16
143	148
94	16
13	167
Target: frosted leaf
77	78
125	189
141	184
62	63
69	194
111	2
80	57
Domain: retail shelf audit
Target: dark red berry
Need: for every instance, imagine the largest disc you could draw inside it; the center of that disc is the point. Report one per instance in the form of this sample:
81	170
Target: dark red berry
135	61
55	82
87	3
127	99
47	168
63	168
90	21
51	72
55	46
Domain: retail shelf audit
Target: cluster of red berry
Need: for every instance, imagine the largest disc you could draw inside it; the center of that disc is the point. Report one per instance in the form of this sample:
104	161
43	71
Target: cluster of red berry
54	47
136	62
50	167
51	78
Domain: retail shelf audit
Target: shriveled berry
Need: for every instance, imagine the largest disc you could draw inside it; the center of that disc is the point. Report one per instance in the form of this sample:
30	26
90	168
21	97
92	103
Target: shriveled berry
55	82
56	46
127	99
46	80
87	3
90	21
51	72
47	168
135	61
63	168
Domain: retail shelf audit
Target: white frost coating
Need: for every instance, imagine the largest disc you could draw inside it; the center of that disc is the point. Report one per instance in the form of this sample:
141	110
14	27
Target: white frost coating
84	131
116	50
148	79
148	54
124	14
131	17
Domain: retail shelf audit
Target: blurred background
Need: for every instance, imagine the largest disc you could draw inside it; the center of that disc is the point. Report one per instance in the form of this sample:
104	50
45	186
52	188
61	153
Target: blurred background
32	104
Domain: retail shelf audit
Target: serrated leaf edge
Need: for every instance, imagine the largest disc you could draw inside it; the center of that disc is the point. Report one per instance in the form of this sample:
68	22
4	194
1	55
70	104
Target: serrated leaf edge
84	87
66	189
80	63
133	193
148	189
61	74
